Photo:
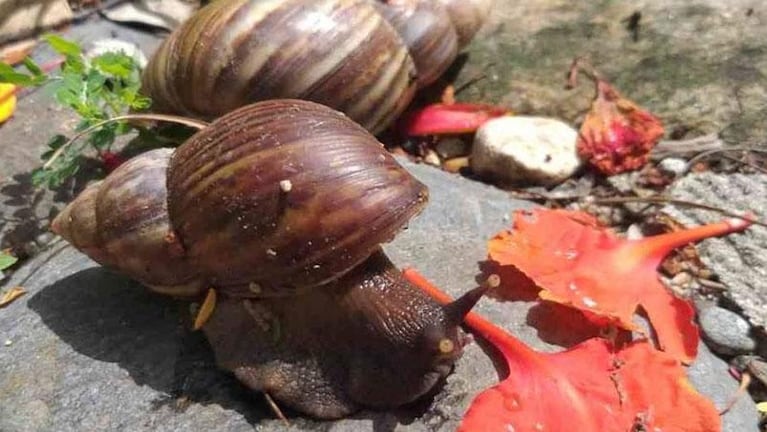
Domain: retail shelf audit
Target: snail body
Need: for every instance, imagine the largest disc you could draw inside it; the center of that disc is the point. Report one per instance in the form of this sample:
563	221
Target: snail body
365	58
282	207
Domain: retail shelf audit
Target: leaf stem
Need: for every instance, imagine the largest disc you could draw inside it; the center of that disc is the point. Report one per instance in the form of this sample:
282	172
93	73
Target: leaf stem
197	124
661	245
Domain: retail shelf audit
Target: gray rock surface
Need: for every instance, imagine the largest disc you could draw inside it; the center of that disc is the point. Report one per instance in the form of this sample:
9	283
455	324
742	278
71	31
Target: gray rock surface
725	331
91	350
701	65
738	259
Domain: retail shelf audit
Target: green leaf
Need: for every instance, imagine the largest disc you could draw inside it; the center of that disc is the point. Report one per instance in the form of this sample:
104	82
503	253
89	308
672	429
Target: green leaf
63	46
9	75
7	260
33	67
104	137
116	64
57	141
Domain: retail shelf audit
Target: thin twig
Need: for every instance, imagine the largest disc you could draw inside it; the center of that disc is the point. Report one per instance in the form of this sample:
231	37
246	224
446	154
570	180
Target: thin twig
687	147
197	124
666	200
276	409
707	153
746	163
745	380
471	81
658	199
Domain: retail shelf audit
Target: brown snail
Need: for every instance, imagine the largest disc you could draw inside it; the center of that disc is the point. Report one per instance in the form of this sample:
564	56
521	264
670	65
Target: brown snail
281	206
362	57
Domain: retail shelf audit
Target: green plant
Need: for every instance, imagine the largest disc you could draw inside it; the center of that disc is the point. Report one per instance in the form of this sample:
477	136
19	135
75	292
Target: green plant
97	89
6	259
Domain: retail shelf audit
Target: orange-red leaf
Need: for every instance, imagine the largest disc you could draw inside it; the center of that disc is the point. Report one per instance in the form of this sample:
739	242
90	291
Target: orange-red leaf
617	135
441	119
590	387
577	263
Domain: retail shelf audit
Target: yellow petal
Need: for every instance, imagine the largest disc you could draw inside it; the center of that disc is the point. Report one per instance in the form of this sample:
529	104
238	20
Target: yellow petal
762	407
206	310
11	295
7	101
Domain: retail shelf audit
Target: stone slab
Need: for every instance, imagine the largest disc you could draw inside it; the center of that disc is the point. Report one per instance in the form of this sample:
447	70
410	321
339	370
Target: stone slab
738	259
91	350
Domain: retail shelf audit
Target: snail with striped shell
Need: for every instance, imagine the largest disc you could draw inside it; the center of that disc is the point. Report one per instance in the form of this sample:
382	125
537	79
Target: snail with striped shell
365	58
282	206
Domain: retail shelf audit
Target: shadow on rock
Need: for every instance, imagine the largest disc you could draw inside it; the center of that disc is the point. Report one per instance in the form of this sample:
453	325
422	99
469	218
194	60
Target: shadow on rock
112	319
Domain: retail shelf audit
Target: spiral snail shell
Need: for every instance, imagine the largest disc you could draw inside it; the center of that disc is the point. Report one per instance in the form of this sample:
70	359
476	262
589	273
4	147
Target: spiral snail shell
281	206
362	57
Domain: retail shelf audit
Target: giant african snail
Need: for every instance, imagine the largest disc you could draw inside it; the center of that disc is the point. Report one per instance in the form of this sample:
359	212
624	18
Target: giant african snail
362	57
281	206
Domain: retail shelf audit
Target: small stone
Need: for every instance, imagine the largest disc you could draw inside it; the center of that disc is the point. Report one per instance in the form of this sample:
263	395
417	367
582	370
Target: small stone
529	150
725	331
432	158
675	166
454	165
8	342
451	147
286	186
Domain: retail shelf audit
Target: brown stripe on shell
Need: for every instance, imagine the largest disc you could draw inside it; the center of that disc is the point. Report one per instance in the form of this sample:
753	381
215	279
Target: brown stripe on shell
426	28
348	195
233	52
467	16
77	224
134	229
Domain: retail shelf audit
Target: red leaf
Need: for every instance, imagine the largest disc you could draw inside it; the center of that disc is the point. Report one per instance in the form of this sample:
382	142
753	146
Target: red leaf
578	264
440	119
589	388
617	135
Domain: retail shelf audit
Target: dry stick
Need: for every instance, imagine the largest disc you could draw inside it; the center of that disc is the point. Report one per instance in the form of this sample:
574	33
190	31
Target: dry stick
746	163
666	200
707	153
197	124
652	200
745	380
276	409
686	147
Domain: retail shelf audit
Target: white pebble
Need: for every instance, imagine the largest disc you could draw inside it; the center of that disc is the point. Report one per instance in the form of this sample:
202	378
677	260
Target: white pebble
528	150
673	166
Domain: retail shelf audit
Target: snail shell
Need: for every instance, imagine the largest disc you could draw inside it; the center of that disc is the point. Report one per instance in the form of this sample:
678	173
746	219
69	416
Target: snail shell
122	222
227	183
279	195
340	53
283	195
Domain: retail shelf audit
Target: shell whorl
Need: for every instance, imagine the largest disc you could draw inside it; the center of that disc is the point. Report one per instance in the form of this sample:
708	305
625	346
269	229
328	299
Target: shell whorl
122	222
364	58
279	195
304	193
467	17
340	53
